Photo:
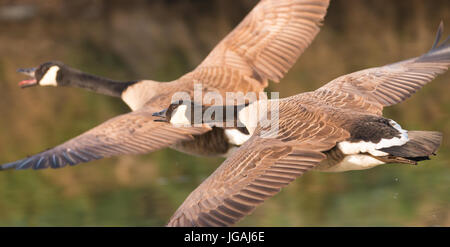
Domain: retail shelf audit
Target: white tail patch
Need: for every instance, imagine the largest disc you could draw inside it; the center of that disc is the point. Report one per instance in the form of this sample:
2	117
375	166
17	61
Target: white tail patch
49	78
236	137
355	162
373	148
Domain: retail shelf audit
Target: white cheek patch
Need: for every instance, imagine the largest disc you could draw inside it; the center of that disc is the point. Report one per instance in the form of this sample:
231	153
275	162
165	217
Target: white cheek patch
49	78
179	116
236	137
373	148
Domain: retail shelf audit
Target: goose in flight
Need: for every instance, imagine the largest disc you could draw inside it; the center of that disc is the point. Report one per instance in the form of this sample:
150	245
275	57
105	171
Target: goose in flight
263	47
338	127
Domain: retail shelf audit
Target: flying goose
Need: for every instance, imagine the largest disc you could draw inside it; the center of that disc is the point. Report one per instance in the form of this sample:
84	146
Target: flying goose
338	127
263	47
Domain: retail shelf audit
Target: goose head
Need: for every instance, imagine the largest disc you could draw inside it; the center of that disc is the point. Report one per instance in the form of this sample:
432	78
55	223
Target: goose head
178	112
186	112
46	74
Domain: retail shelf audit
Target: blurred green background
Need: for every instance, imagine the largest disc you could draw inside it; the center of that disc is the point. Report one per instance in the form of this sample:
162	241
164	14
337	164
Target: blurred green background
162	40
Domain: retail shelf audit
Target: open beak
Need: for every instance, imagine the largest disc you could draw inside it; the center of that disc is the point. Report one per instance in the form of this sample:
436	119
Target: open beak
30	82
162	115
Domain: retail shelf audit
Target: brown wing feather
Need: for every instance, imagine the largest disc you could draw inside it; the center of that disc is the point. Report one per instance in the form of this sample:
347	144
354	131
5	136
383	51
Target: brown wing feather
131	133
264	46
258	170
390	84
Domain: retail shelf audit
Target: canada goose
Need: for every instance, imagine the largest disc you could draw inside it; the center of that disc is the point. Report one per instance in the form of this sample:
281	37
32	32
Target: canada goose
262	47
337	127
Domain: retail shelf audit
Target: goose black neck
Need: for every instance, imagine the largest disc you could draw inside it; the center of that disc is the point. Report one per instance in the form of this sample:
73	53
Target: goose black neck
227	115
75	78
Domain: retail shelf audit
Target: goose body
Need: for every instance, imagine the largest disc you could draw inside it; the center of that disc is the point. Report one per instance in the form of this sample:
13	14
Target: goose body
338	127
368	134
263	47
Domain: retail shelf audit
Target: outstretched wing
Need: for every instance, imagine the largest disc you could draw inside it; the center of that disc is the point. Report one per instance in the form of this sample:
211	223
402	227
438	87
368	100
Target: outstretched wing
263	47
390	84
130	133
258	170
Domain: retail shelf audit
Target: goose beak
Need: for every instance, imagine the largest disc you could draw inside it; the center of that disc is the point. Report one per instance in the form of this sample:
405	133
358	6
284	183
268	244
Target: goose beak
30	82
162	115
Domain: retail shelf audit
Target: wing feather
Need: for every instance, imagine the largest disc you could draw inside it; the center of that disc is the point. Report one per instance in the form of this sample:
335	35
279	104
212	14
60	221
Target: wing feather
131	133
393	83
263	47
258	170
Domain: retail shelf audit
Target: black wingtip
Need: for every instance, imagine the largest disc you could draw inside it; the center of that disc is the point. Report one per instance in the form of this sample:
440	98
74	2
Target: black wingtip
440	51
8	166
439	33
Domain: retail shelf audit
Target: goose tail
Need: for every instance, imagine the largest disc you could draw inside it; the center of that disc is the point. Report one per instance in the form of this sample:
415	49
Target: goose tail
420	146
